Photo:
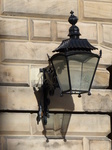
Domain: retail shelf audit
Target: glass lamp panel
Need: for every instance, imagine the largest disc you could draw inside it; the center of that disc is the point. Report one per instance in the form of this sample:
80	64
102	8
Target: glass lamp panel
75	72
88	68
82	67
60	66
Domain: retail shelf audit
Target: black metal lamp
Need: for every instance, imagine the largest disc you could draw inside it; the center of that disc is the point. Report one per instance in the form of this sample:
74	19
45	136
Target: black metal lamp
72	68
74	64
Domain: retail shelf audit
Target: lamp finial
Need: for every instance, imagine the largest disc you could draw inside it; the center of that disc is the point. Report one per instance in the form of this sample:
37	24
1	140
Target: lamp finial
72	19
73	30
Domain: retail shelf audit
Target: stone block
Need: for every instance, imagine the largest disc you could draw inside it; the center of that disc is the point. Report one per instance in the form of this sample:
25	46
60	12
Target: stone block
88	31
97	9
86	125
37	52
101	79
36	129
65	102
54	30
100	100
36	77
35	143
13	28
99	143
62	30
107	32
27	51
37	7
17	98
14	123
40	29
14	75
106	58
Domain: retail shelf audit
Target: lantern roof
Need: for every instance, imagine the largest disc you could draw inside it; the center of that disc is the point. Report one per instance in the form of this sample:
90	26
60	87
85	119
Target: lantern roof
74	45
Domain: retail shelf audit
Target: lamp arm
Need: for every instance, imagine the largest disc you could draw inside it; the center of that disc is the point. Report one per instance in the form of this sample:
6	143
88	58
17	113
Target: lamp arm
48	88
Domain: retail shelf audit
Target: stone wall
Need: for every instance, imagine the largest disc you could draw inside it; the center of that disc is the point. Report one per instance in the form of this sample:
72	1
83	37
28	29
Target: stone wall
31	29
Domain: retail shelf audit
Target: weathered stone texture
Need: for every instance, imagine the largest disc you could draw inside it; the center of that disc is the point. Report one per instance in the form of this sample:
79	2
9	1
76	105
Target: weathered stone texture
88	31
97	9
36	129
17	98
14	74
94	125
38	7
13	28
39	143
98	101
107	34
40	29
14	123
79	125
101	79
36	77
106	58
85	125
27	51
103	144
62	30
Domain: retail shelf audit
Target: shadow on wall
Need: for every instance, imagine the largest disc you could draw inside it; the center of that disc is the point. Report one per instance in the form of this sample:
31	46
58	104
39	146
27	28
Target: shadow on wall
56	102
58	120
61	103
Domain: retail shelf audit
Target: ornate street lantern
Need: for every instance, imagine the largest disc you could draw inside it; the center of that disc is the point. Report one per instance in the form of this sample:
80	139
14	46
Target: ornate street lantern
72	68
74	64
